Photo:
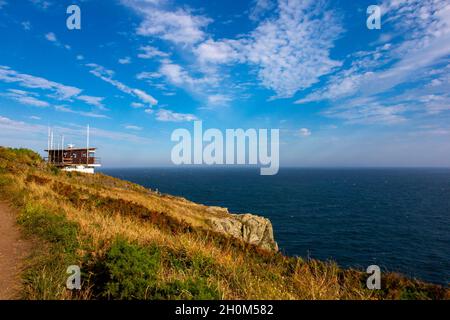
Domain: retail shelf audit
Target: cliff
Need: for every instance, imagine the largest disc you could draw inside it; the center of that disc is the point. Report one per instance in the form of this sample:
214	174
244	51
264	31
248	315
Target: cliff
134	243
246	227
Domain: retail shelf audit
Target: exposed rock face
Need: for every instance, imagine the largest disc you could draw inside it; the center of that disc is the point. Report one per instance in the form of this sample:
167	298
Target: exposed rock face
247	227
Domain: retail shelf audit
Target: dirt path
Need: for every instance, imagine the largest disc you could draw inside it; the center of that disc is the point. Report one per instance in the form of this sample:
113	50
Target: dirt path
13	250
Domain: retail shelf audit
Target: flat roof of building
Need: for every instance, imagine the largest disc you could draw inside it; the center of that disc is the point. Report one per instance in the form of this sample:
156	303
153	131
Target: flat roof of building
71	149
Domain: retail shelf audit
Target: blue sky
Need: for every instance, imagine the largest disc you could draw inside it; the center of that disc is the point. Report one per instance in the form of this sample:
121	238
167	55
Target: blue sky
341	94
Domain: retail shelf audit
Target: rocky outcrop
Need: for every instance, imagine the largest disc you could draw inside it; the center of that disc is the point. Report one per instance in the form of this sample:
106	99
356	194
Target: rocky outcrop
247	227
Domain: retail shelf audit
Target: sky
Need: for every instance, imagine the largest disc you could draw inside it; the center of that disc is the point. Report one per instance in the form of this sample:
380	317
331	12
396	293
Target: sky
341	94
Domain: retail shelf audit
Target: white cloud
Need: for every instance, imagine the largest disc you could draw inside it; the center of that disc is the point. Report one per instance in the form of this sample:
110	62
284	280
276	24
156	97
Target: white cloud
131	127
7	124
218	99
211	51
144	96
149	52
260	8
435	104
53	90
170	116
358	89
26	98
137	105
175	73
369	113
305	132
80	57
35	118
51	37
204	88
94	101
59	91
180	26
179	76
26	25
107	76
81	113
42	4
148	75
126	60
427	42
10	125
290	50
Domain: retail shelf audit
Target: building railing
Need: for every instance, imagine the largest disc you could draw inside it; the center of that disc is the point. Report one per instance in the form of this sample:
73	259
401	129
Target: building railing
59	161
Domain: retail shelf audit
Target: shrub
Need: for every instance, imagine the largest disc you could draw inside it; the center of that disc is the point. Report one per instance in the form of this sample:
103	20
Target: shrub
193	288
130	271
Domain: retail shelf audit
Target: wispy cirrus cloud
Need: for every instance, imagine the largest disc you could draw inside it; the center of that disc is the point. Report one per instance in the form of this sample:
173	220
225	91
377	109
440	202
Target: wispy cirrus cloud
53	90
149	52
137	105
126	60
57	90
376	75
290	50
26	25
81	113
179	76
133	127
22	130
179	26
207	88
52	38
93	101
41	4
26	98
11	125
171	116
304	132
370	113
260	8
107	76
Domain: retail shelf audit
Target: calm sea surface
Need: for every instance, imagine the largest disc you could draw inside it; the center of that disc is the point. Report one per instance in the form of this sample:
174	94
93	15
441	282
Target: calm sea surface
398	219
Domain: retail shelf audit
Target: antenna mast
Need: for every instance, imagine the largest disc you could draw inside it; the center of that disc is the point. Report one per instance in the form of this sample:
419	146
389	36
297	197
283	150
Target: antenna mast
48	139
87	146
62	150
51	145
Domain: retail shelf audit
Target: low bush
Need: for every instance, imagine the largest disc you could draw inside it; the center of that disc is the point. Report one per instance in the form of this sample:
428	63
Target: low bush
129	271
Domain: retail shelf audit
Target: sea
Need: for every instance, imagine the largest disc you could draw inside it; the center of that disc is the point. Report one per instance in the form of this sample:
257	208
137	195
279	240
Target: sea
398	219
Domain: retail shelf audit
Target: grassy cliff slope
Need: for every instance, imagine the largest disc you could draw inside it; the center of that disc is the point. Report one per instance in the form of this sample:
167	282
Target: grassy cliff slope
133	243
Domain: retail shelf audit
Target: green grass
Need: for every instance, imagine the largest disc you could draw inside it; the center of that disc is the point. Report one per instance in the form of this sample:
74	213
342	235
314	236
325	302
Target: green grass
54	228
45	278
